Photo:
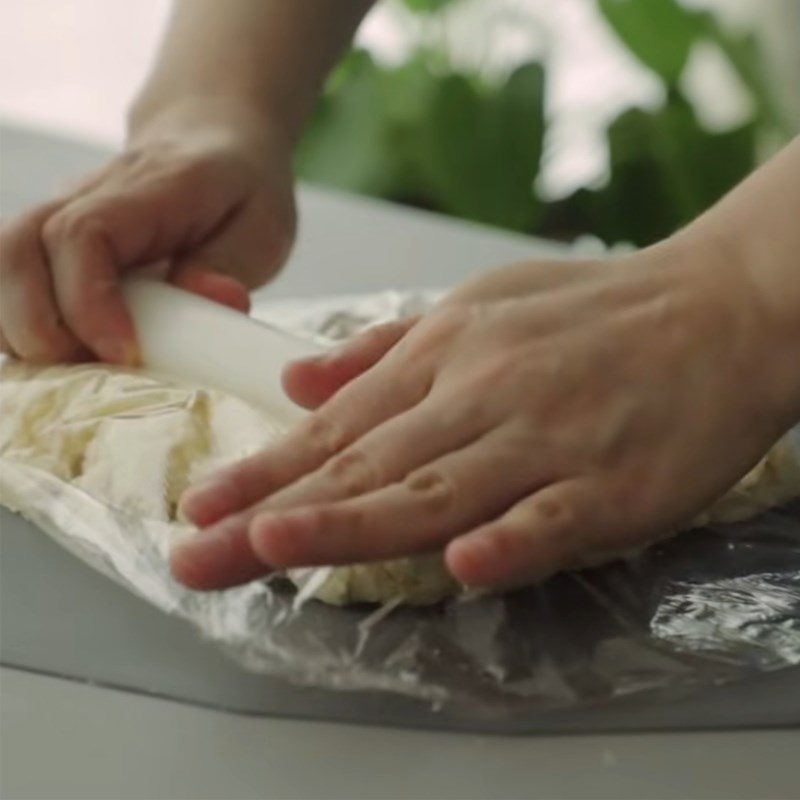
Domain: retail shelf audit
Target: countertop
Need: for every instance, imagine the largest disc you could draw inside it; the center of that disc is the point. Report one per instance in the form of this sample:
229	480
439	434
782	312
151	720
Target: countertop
68	738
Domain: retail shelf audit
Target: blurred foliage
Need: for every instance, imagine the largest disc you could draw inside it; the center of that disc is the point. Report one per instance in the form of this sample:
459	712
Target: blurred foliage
430	136
665	170
446	141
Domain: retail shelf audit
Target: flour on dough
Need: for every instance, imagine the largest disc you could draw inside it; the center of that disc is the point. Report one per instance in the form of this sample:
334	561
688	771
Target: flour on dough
135	441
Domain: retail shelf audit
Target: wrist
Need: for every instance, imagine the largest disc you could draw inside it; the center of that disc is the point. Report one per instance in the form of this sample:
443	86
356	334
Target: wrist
153	117
762	317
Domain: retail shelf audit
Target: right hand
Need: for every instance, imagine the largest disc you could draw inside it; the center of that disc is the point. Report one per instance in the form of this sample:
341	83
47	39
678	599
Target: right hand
205	189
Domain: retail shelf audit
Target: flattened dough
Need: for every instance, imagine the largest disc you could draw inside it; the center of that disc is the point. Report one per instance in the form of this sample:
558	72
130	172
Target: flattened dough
135	441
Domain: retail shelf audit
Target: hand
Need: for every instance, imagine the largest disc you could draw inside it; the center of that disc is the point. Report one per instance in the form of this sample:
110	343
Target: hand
545	417
205	188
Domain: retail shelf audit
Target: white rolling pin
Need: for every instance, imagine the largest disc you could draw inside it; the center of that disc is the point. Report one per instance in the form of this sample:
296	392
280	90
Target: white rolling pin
198	341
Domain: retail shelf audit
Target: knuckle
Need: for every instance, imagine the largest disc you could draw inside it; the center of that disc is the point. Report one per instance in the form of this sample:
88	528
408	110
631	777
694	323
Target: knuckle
492	373
69	225
16	237
325	436
434	331
560	529
353	472
446	322
407	373
556	513
195	172
435	490
417	353
373	341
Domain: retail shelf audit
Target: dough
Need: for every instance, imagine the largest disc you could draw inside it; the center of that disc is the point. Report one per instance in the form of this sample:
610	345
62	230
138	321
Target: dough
775	480
129	439
422	580
135	441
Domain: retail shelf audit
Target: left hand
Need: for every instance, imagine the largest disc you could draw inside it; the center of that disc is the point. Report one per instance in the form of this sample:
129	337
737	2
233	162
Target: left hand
546	416
204	189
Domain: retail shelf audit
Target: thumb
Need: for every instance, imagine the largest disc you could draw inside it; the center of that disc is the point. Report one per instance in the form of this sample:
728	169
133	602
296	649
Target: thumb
312	381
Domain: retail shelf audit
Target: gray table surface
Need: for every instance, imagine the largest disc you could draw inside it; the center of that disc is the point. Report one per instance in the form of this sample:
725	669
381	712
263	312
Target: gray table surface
68	739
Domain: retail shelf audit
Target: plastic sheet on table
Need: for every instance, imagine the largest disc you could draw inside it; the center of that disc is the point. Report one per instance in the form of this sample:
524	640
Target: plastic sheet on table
709	606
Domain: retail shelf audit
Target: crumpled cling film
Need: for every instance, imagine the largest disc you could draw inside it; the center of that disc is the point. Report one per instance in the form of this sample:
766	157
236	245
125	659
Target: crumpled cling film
711	605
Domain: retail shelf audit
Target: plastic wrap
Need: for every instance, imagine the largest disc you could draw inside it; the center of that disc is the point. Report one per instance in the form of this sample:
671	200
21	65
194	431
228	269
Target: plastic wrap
709	606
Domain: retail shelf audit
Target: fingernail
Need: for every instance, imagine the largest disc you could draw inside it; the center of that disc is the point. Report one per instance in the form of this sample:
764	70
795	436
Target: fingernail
216	559
190	564
276	538
333	354
117	351
467	558
208	501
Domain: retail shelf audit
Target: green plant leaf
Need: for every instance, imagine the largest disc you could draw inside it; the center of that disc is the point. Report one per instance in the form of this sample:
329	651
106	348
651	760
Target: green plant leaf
665	171
660	33
426	5
479	151
744	54
347	143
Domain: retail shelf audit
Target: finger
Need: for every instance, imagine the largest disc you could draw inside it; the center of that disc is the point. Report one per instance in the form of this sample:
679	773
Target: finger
86	282
75	186
440	500
5	346
388	453
212	285
92	240
543	534
31	323
393	451
250	245
359	407
225	559
312	381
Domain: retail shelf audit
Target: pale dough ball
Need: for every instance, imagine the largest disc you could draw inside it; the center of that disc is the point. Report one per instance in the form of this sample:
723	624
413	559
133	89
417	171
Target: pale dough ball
775	480
423	580
135	441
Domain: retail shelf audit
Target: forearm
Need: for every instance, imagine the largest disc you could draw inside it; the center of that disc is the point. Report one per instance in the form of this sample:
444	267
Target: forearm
756	229
269	55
